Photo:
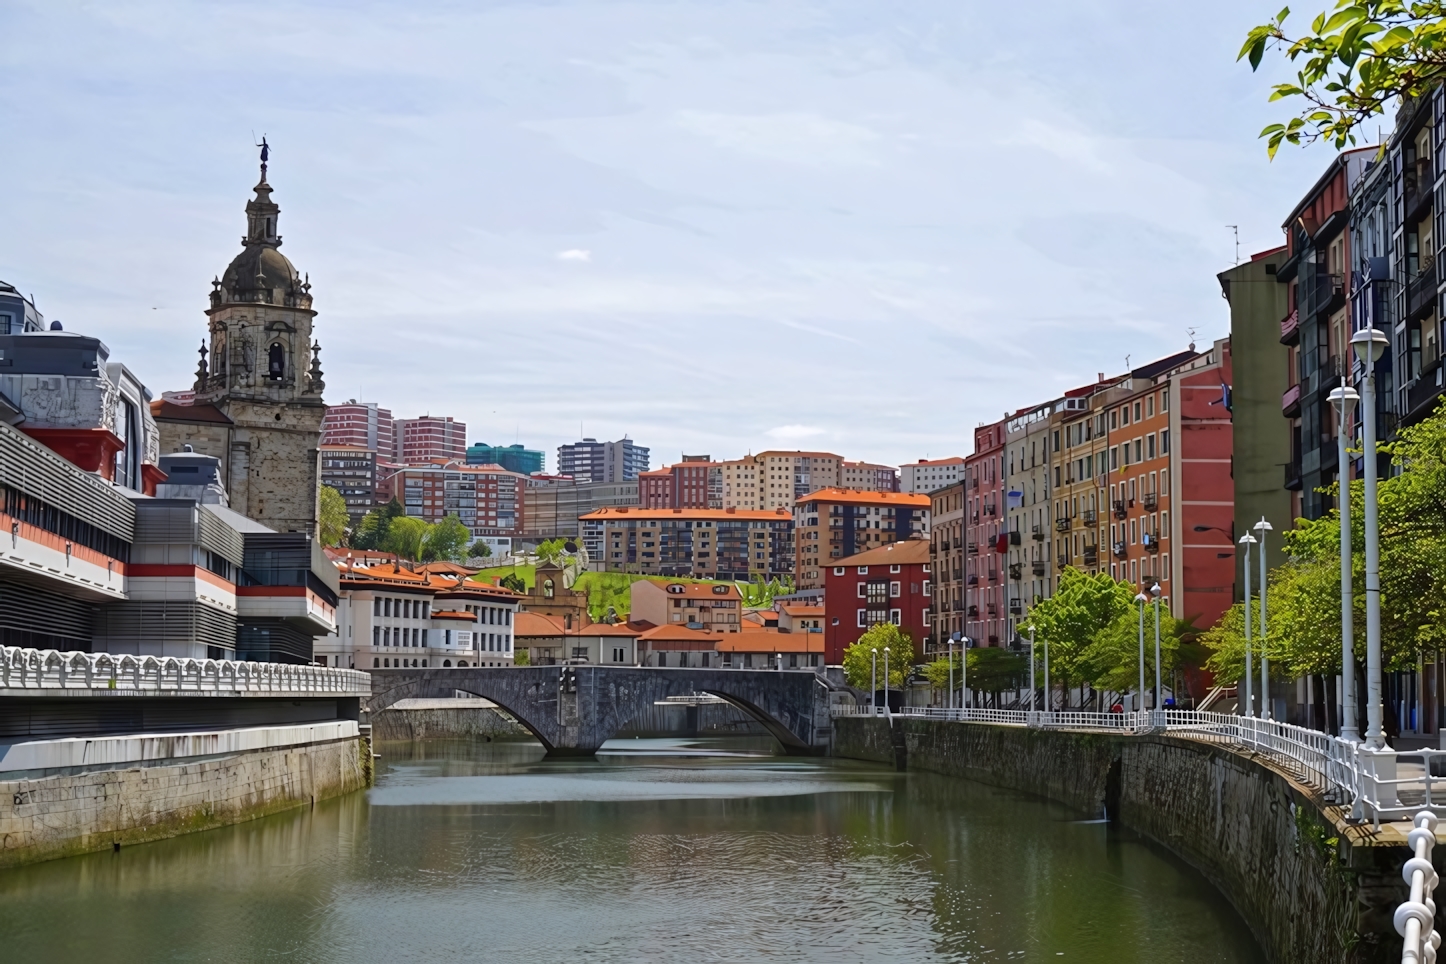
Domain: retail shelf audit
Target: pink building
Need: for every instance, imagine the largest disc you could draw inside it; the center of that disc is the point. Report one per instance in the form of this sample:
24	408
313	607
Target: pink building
420	440
986	538
363	425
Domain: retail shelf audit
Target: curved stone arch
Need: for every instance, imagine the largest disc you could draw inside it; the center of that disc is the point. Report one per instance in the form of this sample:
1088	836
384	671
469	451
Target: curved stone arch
776	728
428	687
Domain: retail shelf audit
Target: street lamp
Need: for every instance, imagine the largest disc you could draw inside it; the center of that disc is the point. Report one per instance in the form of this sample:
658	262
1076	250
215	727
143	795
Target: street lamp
1247	541
1344	399
874	680
1047	700
1155	592
1370	344
1140	699
952	640
886	679
1031	667
964	644
1261	528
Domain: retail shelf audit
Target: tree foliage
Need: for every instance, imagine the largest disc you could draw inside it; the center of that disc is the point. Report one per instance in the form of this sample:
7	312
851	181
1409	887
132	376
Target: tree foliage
331	527
514	582
1352	63
479	550
371	531
858	658
446	541
759	594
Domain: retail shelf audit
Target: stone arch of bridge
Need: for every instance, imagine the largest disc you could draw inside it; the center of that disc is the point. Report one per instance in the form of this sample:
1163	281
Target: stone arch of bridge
791	743
431	688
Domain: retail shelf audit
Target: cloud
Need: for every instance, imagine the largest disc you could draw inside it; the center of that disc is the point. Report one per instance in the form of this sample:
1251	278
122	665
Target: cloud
794	137
574	254
793	433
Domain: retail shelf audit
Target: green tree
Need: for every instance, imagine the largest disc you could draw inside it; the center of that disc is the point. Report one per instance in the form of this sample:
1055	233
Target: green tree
885	637
479	550
405	537
514	582
1352	63
521	657
1113	659
371	531
1075	619
446	541
994	669
331	528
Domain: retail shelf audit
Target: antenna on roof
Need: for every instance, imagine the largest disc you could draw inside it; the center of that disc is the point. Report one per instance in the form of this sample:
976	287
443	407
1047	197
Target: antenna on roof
1236	229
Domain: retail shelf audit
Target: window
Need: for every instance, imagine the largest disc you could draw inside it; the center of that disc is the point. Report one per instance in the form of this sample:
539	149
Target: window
1114	420
1137	411
1114	459
1165	572
863	618
926	587
1150	446
863	589
1164	525
1165	401
894	590
548	590
386	607
1164	441
863	570
894	617
894	569
1164	481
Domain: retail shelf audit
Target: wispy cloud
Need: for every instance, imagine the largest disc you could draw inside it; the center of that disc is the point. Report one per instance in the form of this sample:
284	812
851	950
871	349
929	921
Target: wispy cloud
574	254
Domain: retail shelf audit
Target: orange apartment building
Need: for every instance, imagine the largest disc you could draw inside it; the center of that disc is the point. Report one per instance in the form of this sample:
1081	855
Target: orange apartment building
831	524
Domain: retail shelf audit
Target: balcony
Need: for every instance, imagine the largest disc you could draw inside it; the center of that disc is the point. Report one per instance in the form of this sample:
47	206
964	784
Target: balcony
1120	550
1421	396
1418	193
1151	541
1016	608
1292	474
1090	516
1091	555
1037	534
1290	401
1290	328
1119	507
1151	501
1016	570
991	609
974	517
973	549
973	610
1319	292
1039	567
1421	291
1063	524
973	579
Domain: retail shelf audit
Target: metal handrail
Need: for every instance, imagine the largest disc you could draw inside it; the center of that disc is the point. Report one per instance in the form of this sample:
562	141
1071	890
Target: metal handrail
1379	785
1415	920
49	669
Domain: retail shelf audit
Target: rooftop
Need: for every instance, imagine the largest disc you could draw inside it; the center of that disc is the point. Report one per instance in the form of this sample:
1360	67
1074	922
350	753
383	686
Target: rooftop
640	512
866	497
910	552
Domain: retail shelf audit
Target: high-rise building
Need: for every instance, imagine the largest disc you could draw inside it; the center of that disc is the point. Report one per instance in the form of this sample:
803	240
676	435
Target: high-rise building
487	500
832	524
364	425
257	404
352	471
430	437
555	503
594	461
703	543
926	475
513	458
868	476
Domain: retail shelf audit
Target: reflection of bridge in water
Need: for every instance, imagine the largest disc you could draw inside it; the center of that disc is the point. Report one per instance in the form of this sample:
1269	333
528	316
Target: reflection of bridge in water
575	709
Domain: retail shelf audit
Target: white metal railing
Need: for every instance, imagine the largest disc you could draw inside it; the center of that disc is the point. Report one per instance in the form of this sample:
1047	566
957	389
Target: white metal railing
1416	919
1375	784
49	669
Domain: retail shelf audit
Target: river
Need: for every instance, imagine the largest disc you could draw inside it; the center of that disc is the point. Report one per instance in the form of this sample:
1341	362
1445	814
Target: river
658	850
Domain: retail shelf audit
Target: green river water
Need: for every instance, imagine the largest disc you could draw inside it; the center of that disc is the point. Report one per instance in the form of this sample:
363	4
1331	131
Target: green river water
658	850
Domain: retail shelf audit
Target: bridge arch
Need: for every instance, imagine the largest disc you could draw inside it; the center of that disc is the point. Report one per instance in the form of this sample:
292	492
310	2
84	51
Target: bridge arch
446	687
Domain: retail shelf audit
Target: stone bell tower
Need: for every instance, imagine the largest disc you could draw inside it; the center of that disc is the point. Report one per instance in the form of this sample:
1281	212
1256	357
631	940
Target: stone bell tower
262	373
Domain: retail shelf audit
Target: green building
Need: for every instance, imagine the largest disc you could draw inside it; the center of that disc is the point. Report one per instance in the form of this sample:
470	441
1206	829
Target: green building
513	458
1262	456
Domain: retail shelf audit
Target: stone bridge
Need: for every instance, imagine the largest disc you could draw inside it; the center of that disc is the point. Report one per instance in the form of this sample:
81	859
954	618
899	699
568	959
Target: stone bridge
575	709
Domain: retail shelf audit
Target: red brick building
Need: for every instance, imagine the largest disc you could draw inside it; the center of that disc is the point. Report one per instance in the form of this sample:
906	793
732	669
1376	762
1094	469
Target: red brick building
887	584
985	514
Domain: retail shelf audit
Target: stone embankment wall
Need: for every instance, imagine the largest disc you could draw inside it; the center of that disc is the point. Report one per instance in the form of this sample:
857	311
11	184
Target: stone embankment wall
63	815
1313	889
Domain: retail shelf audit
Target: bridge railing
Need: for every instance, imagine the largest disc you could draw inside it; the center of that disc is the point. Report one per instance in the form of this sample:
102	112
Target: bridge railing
52	670
1415	920
1375	784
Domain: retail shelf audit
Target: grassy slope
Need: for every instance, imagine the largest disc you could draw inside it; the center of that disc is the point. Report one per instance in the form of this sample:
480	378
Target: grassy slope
603	589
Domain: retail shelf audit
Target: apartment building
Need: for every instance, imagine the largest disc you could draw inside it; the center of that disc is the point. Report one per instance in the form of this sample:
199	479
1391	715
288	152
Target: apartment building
513	458
868	476
948	563
486	498
1078	470
1138	416
716	608
390	617
554	504
352	471
927	475
1030	506
421	440
833	524
702	543
776	479
594	461
363	425
884	584
987	536
696	482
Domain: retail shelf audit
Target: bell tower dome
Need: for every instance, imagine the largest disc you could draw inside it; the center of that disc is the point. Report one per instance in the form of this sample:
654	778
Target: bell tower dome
261	370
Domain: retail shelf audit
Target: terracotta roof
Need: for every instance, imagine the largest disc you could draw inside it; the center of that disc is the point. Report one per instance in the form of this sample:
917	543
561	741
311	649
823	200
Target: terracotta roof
639	512
691	590
608	629
796	609
447	569
864	497
956	460
536	624
678	634
452	614
770	641
168	411
910	552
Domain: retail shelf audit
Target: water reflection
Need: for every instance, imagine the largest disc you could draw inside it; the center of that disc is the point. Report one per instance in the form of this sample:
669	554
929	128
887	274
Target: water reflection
654	852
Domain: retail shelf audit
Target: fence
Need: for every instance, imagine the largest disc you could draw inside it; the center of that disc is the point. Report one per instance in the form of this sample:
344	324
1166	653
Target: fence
49	670
1375	784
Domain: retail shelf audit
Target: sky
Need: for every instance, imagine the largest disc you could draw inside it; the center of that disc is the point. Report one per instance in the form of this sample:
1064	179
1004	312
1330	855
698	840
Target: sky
713	227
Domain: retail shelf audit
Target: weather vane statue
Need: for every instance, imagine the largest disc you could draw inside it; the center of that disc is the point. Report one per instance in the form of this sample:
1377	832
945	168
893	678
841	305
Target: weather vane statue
265	155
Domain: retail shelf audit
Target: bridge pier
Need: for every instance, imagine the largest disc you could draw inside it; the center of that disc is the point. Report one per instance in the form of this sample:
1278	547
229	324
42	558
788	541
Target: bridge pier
574	710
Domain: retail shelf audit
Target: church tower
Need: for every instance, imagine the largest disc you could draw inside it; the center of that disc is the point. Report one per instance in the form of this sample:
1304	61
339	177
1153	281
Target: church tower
261	374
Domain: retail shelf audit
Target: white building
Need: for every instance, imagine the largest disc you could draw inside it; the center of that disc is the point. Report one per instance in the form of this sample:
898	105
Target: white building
926	475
